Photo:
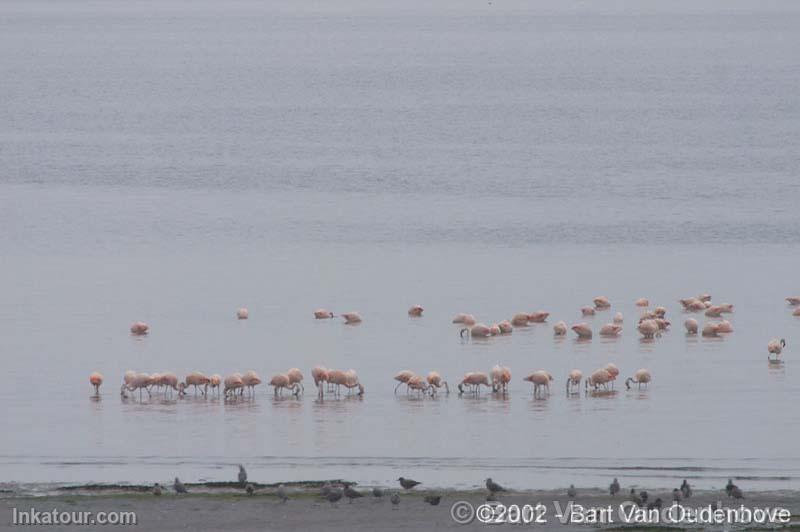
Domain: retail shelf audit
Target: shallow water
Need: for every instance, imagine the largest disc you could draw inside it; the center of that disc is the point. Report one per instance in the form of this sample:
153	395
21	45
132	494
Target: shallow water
172	164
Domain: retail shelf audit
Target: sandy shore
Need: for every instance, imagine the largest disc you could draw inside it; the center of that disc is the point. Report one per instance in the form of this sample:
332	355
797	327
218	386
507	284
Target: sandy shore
221	509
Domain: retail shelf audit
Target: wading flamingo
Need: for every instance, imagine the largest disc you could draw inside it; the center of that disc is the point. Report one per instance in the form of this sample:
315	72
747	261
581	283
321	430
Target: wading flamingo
648	328
140	381
600	377
474	379
242	313
520	319
601	302
610	329
725	327
214	382
465	319
587	311
232	384
96	380
418	384
574	380
436	382
642	376
196	379
477	331
540	380
323	314
642	302
402	378
796	312
501	376
618	317
560	329
296	377
250	380
691	326
711	329
281	381
139	328
494	330
320	376
415	311
582	330
714	311
351	381
775	347
505	327
539	316
170	382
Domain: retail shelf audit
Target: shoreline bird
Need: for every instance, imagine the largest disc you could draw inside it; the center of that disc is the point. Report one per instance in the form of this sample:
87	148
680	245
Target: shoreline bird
408	483
281	493
686	489
249	489
352	493
334	495
571	491
493	486
433	500
613	488
242	475
377	492
395	498
157	489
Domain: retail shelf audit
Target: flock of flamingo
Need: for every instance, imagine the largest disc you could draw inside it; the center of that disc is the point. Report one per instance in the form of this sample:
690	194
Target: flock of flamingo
650	325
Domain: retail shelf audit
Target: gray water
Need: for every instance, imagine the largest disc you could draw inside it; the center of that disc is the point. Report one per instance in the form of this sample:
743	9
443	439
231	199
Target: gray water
172	161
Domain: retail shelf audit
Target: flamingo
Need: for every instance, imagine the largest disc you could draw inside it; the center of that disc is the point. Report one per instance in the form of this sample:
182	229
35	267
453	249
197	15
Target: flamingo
419	384
648	328
775	347
725	327
351	381
601	302
232	383
139	381
600	377
793	301
196	379
539	316
642	376
415	311
336	379
574	379
474	380
587	311
501	376
796	312
696	305
281	381
215	381
351	318
320	375
662	323
711	329
540	380
435	380
170	382
296	377
323	314
560	329
139	328
465	319
704	297
714	311
520	320
477	331
582	330
505	327
402	378
494	330
96	380
691	326
642	302
250	380
726	308
242	313
612	370
618	317
610	329
660	312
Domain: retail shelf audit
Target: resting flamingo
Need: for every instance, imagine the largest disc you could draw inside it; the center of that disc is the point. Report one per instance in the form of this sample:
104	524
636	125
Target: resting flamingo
242	313
520	319
351	318
323	314
477	331
436	382
415	311
587	311
610	329
711	329
96	380
505	327
793	301
574	380
642	302
139	328
560	329
691	326
582	330
775	347
539	316
648	328
642	376
540	380
465	319
618	318
601	302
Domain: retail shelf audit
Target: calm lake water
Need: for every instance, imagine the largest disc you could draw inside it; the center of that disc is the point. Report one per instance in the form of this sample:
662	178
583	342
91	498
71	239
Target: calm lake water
172	161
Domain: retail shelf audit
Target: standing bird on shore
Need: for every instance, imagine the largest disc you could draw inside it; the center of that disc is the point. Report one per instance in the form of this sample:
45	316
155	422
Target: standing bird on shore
415	311
96	379
613	489
572	492
281	493
395	498
433	500
493	486
635	498
676	495
351	493
242	475
157	489
642	376
250	490
736	493
775	347
686	489
729	487
334	495
179	487
407	483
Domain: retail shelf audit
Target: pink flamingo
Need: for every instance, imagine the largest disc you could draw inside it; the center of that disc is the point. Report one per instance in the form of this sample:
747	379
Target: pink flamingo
242	314
170	382
477	331
320	376
660	312
323	314
520	320
725	327
196	379
662	323
612	370
296	377
711	329
714	311
793	301
501	376
474	380
691	326
250	380
582	330
642	302
601	302
642	376
233	383
539	316
618	317
351	381
139	328
139	381
402	378
610	329
436	382
574	380
587	311
415	311
796	312
281	381
96	380
648	328
351	318
419	384
560	329
540	380
775	347
494	330
214	382
505	327
465	319
600	377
